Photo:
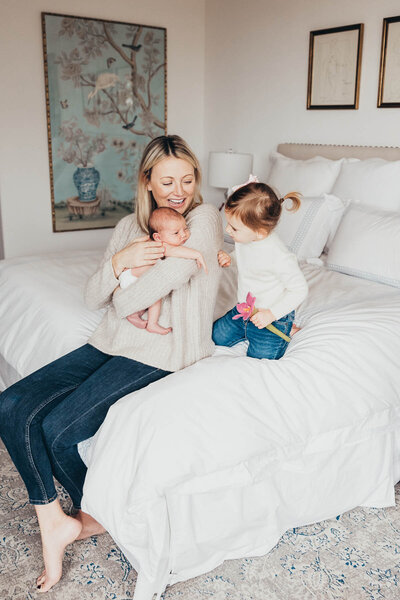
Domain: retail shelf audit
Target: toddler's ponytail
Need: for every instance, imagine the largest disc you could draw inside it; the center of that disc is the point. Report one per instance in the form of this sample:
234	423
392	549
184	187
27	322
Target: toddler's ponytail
295	198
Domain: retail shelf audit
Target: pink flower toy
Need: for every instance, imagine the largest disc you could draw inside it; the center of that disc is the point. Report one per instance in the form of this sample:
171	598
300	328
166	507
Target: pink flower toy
247	309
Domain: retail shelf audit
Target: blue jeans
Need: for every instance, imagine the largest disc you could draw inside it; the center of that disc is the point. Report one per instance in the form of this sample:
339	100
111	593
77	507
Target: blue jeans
262	342
45	415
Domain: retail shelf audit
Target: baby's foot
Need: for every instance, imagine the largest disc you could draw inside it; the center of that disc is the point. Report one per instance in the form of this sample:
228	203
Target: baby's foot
136	320
294	330
156	328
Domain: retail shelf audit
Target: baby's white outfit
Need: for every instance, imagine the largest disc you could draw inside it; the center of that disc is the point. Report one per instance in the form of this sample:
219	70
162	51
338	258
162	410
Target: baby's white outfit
126	279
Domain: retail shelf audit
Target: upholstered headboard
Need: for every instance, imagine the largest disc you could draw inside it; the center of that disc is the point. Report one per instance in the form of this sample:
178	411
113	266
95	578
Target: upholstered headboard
304	151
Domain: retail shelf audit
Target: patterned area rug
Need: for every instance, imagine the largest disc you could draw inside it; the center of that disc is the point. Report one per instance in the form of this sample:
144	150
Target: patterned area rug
353	557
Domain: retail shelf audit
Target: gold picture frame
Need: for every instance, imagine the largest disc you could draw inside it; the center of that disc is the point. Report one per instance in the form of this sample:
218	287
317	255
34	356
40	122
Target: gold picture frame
389	72
106	98
334	67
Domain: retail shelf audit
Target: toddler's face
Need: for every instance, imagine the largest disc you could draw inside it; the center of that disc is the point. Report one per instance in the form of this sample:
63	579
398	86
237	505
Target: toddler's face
238	231
175	233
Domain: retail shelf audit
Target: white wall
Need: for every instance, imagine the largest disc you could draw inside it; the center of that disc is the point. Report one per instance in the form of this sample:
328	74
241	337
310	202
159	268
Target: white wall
237	77
24	166
256	77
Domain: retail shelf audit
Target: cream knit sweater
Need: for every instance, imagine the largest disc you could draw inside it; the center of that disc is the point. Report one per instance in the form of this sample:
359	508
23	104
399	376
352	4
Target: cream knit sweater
188	297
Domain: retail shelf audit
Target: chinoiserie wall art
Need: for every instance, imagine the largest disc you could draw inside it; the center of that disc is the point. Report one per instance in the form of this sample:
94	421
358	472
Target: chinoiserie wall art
106	99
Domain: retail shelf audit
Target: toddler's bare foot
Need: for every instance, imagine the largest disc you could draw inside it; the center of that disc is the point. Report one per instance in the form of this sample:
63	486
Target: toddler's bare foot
136	320
89	526
56	535
156	328
294	330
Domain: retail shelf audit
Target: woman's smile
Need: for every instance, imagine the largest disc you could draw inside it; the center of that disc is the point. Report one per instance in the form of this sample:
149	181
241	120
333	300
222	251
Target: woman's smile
172	183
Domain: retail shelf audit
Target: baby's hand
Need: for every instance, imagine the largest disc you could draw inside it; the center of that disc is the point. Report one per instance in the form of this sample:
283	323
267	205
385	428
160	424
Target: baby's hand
262	318
201	262
224	260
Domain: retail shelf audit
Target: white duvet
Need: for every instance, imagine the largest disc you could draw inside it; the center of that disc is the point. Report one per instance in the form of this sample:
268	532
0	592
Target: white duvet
218	460
221	458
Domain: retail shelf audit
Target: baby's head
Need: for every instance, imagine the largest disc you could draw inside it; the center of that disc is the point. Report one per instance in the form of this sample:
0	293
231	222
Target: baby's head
253	211
167	225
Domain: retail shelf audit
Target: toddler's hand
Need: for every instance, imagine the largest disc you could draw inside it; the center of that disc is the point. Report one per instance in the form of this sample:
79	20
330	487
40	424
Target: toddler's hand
262	318
224	260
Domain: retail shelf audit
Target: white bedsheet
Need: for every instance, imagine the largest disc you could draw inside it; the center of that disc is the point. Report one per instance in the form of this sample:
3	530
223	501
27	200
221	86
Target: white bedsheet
217	461
42	311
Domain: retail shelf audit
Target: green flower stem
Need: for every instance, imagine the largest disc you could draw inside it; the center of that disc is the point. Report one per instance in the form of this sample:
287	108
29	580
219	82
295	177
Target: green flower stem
274	329
278	332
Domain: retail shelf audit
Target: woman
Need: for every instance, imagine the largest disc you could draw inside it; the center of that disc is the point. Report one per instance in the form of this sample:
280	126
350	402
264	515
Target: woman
44	416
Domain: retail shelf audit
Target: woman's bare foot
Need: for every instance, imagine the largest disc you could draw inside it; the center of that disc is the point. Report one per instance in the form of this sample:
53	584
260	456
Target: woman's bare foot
156	328
57	531
89	526
136	320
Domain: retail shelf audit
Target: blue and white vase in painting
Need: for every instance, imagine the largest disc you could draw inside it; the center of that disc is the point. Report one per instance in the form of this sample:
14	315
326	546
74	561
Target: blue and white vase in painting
86	180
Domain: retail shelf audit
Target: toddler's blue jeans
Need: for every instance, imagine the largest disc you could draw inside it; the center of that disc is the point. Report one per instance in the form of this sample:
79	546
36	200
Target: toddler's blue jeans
262	342
45	415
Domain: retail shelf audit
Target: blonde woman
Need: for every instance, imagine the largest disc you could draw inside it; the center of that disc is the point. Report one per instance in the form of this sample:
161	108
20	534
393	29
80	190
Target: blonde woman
44	416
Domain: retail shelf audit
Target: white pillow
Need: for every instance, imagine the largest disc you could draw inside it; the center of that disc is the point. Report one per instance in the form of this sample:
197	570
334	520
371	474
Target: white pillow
372	182
307	231
311	177
367	245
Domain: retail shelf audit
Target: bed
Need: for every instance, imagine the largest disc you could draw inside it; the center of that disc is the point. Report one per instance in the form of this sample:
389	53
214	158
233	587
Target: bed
234	451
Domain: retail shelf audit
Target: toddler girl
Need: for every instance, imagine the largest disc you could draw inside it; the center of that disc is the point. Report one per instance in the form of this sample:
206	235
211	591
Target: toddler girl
168	226
266	269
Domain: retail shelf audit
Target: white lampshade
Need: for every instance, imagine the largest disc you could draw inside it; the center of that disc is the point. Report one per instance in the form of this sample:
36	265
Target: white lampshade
226	169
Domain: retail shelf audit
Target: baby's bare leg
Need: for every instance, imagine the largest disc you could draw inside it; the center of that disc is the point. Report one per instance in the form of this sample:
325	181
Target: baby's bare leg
152	323
135	318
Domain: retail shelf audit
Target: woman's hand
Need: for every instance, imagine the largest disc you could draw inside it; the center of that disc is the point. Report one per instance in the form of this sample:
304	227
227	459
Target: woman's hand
224	260
142	252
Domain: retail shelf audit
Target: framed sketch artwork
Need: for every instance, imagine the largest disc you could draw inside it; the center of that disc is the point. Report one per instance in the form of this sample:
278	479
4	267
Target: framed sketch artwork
334	67
106	99
389	73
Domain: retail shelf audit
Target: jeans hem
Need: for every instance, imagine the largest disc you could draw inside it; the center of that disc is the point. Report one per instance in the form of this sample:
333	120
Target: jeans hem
41	502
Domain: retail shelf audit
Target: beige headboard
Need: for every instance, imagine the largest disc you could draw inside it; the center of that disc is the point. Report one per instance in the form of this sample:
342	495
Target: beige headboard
304	151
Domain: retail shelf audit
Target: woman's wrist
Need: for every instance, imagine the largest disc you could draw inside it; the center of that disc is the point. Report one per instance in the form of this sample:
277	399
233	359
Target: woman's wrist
116	265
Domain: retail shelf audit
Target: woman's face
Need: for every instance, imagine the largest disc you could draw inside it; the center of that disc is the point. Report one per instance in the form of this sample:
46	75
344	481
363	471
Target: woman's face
172	183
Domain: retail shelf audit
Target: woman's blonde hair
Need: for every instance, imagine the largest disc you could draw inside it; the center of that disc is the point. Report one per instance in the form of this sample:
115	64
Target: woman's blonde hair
258	206
159	148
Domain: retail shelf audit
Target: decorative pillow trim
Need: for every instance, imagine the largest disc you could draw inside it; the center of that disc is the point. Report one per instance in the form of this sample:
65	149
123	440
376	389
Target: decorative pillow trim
364	275
305	225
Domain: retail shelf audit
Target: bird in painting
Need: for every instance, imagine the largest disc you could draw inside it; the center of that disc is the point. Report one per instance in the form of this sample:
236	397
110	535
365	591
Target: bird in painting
103	81
131	124
133	47
110	61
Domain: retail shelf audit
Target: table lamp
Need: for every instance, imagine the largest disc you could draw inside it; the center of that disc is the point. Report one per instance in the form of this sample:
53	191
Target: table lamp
226	169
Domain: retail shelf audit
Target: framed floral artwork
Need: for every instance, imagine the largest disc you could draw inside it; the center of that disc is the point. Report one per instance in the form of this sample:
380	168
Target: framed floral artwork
106	99
389	73
334	67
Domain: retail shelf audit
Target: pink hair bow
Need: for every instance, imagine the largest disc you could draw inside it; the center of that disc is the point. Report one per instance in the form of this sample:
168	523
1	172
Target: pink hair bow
251	179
